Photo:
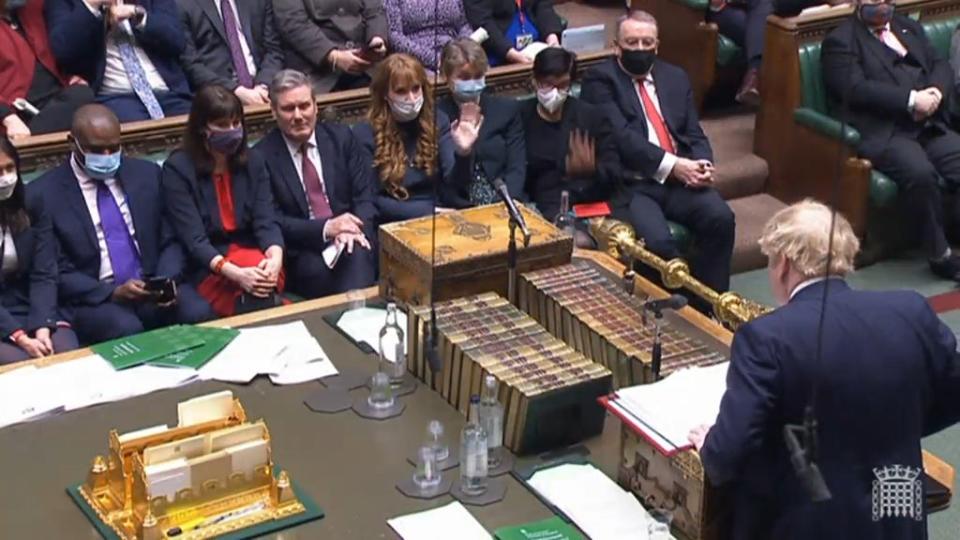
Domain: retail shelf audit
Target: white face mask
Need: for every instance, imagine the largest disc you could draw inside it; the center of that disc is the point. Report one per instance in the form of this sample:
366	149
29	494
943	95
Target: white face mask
552	99
8	182
405	111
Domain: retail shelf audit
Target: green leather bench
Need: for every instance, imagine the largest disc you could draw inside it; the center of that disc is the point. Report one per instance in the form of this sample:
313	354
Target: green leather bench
814	112
728	52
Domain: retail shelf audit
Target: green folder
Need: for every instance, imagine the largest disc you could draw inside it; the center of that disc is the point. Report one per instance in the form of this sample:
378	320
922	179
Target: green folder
140	348
215	339
553	528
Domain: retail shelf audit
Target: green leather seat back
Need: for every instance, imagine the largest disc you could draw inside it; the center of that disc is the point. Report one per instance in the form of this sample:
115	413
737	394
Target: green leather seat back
940	33
728	52
813	93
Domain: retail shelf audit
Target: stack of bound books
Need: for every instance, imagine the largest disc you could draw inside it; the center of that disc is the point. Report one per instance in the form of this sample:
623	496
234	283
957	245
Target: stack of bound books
548	390
595	316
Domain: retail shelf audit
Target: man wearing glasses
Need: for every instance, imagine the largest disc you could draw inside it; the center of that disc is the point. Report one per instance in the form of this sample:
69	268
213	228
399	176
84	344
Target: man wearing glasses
882	69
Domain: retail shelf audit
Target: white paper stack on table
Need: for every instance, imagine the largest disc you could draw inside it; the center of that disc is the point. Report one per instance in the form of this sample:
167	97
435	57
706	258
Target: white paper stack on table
363	325
601	508
443	523
664	412
287	353
29	392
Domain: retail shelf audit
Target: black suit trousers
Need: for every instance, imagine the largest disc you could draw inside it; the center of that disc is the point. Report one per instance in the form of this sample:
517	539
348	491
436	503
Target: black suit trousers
703	211
916	164
309	276
746	24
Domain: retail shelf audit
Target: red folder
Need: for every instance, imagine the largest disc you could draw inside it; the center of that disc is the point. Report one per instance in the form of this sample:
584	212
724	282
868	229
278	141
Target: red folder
589	210
639	429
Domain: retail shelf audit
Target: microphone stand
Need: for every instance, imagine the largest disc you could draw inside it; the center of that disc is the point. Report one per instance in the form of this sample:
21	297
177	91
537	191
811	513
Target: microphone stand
656	355
512	263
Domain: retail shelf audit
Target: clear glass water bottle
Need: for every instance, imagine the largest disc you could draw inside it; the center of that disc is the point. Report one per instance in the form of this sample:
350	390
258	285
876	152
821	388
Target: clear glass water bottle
393	361
473	452
491	418
564	219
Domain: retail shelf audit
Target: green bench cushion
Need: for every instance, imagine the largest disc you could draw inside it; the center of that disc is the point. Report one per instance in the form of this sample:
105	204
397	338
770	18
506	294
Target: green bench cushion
728	52
682	237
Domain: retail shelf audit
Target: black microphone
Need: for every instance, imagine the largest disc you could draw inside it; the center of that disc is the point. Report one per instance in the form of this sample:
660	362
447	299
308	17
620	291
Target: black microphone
801	441
501	187
674	301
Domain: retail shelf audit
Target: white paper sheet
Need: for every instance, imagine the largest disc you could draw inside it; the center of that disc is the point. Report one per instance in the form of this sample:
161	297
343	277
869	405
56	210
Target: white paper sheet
23	396
685	400
443	523
364	324
600	507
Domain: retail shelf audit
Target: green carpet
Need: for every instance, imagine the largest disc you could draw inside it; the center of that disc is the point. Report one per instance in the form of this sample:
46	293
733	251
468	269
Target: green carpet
893	274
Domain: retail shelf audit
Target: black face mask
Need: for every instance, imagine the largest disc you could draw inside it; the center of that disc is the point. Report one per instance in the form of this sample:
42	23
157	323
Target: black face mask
637	62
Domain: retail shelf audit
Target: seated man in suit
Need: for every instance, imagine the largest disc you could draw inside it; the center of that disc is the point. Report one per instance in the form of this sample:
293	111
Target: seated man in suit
667	160
233	43
887	372
324	184
108	223
882	69
955	64
335	43
130	53
745	22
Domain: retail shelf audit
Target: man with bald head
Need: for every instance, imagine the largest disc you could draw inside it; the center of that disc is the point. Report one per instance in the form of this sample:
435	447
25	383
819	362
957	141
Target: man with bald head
113	239
667	159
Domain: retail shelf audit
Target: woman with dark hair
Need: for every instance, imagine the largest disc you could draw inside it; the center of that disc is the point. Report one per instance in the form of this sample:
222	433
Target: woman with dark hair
500	150
29	72
219	201
29	322
412	149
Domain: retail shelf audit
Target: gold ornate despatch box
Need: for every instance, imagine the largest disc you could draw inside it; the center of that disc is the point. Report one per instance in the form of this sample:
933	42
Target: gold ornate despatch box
211	474
471	253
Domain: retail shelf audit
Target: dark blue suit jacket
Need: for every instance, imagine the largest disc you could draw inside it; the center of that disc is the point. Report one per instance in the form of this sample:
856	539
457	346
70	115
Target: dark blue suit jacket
78	40
889	375
31	292
613	89
500	149
349	180
79	254
191	206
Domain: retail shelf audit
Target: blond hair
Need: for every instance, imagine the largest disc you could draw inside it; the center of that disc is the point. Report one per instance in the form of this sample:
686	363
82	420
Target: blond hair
801	232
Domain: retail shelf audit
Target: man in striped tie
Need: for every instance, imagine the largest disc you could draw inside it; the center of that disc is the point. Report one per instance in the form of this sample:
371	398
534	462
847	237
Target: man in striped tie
128	50
233	43
324	186
667	159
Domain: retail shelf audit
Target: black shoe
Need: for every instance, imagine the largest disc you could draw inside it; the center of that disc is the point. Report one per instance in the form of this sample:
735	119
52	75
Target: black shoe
947	268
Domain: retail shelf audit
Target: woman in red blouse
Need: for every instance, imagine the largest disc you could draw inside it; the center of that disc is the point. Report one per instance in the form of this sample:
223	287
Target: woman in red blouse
218	199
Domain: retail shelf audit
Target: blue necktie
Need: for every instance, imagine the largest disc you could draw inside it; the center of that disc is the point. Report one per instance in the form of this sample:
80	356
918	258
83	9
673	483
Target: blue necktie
120	247
135	71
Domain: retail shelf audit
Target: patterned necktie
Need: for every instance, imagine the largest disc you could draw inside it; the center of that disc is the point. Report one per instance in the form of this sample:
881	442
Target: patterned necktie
120	247
233	41
135	72
316	195
659	126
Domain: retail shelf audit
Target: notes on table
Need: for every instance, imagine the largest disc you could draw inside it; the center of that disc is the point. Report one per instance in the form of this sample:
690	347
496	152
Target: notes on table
667	410
554	528
443	523
287	353
21	398
363	325
601	508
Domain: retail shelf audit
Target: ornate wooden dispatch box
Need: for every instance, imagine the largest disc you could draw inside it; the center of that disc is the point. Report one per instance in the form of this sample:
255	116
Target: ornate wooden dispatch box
471	253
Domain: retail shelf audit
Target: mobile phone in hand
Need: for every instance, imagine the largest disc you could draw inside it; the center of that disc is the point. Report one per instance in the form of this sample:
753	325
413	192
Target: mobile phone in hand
163	289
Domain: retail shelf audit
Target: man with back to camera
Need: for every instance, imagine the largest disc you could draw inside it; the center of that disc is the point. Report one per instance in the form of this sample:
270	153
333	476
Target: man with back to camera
888	374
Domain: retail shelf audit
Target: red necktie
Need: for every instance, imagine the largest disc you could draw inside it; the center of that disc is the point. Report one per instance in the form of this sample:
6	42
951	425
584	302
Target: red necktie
659	126
890	40
316	195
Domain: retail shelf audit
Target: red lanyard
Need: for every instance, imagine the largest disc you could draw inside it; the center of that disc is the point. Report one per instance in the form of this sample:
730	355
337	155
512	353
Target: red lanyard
520	12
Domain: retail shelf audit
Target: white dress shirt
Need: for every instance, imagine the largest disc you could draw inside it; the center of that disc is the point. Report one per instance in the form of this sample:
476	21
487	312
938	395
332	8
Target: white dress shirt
247	56
10	259
313	154
115	79
669	160
804	284
88	186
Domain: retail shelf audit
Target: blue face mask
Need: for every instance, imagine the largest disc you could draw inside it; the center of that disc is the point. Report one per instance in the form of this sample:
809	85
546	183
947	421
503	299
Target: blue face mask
101	166
468	90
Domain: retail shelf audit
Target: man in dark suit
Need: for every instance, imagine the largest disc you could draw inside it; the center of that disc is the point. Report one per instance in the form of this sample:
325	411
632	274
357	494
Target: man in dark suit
886	372
745	22
129	52
896	88
667	160
324	185
334	43
233	43
107	219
